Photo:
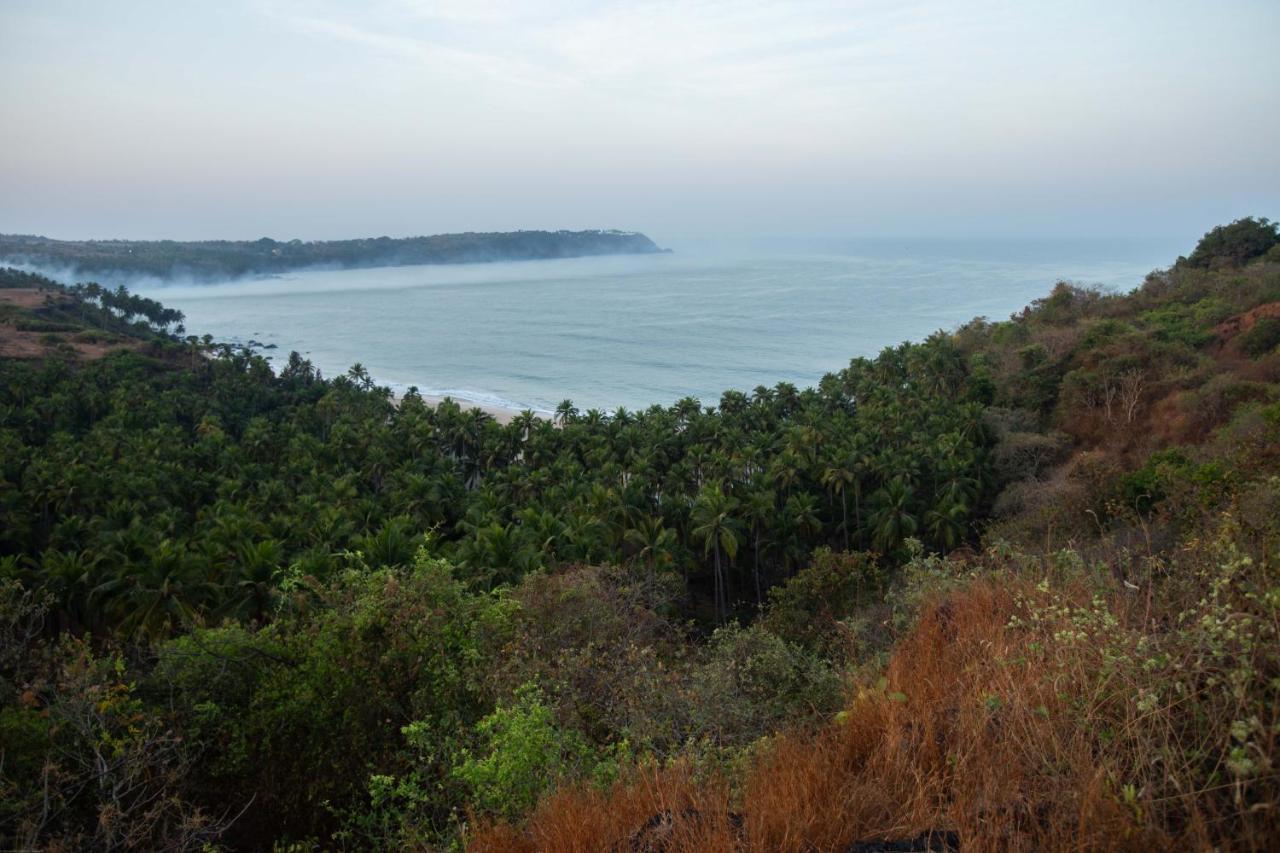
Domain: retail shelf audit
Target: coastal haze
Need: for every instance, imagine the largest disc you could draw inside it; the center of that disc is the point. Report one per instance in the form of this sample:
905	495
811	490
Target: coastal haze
682	120
631	331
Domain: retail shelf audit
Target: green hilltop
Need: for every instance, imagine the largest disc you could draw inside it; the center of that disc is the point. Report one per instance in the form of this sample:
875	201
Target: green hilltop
225	259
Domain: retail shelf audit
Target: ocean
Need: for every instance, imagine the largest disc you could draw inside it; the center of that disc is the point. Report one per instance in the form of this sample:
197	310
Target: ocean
637	330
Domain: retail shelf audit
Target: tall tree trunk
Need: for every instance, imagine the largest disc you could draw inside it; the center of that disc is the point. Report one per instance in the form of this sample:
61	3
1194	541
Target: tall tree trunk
844	511
857	515
755	569
719	583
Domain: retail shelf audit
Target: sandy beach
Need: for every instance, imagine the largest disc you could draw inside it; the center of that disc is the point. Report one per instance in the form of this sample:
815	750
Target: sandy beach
499	414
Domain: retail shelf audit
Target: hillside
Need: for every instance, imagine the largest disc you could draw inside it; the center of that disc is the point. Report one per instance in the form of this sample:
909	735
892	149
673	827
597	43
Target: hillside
1013	586
226	259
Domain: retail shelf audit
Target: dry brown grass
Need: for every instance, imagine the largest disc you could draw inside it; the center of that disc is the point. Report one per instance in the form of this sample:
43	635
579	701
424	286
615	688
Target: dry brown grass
24	297
983	725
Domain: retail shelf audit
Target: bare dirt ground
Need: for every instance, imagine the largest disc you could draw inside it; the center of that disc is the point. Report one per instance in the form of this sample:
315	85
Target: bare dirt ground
1246	321
16	344
24	297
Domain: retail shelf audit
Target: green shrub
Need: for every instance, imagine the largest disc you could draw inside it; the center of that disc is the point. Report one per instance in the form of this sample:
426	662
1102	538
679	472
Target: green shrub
524	753
45	326
752	682
1190	325
1235	244
1262	338
88	766
808	608
303	711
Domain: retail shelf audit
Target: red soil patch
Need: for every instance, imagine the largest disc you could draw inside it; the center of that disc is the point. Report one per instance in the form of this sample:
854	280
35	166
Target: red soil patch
1246	321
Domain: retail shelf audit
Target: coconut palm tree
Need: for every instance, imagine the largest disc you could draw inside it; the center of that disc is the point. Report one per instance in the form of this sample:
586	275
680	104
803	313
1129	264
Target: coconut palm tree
655	543
716	527
892	520
838	477
945	523
566	413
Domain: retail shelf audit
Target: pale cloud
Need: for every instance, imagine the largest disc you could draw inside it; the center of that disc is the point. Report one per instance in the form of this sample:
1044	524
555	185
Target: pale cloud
433	56
399	116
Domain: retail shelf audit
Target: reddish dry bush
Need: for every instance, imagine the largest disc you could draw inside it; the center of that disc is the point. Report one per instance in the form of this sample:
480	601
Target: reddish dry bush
654	810
958	738
1011	714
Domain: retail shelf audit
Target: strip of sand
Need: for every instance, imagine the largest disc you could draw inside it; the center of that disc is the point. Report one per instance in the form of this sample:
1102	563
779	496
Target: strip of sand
498	413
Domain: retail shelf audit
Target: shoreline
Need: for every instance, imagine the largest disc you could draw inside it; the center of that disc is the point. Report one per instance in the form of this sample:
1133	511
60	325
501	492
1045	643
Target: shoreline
501	414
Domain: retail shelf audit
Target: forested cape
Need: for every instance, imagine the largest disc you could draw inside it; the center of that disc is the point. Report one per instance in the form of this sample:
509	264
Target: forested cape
1012	586
227	259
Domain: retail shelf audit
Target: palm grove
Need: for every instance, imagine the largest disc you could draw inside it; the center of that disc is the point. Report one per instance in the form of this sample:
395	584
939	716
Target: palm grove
244	605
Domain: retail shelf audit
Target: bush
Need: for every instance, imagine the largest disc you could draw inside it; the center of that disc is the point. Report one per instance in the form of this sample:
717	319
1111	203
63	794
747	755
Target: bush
45	326
525	753
1235	244
752	683
608	661
809	608
87	765
301	712
1028	455
1190	325
1042	706
1262	338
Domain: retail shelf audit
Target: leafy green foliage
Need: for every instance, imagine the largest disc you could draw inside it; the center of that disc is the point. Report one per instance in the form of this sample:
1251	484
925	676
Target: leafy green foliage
1262	338
1235	244
524	753
808	608
299	711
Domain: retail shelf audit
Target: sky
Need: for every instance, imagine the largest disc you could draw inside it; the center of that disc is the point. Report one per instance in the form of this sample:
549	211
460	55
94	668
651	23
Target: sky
685	120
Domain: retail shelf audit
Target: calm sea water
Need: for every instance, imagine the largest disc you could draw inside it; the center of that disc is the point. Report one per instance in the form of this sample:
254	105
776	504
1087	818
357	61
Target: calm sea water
633	331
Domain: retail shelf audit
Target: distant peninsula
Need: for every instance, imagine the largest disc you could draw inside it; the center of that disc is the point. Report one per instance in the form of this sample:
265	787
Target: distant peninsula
212	260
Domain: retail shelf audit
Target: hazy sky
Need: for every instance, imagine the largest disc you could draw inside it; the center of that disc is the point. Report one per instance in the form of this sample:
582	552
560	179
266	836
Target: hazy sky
243	118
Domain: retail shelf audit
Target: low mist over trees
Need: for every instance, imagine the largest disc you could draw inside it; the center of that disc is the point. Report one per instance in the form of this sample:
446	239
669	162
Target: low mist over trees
223	259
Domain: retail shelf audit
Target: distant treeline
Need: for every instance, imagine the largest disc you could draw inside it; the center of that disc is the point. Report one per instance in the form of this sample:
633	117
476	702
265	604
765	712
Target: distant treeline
213	259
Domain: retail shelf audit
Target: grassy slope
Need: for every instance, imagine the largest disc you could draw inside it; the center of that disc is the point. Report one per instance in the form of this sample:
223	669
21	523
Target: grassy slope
1106	673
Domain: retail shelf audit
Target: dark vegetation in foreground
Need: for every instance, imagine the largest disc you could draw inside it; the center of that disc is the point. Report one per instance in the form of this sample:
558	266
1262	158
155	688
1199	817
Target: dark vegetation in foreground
226	259
1014	586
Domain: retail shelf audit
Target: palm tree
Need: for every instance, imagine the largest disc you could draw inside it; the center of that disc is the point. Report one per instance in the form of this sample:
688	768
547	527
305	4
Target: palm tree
714	524
945	523
655	543
566	413
164	592
761	510
70	576
253	587
892	521
837	478
800	520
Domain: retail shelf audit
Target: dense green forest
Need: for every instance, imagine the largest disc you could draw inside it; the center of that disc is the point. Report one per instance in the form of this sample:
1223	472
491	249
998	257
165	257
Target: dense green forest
225	259
1014	585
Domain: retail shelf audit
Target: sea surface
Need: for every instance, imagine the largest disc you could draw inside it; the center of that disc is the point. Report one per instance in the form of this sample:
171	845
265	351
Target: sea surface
636	330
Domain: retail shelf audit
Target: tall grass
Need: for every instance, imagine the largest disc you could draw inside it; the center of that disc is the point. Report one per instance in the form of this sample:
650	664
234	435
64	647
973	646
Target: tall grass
1048	709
